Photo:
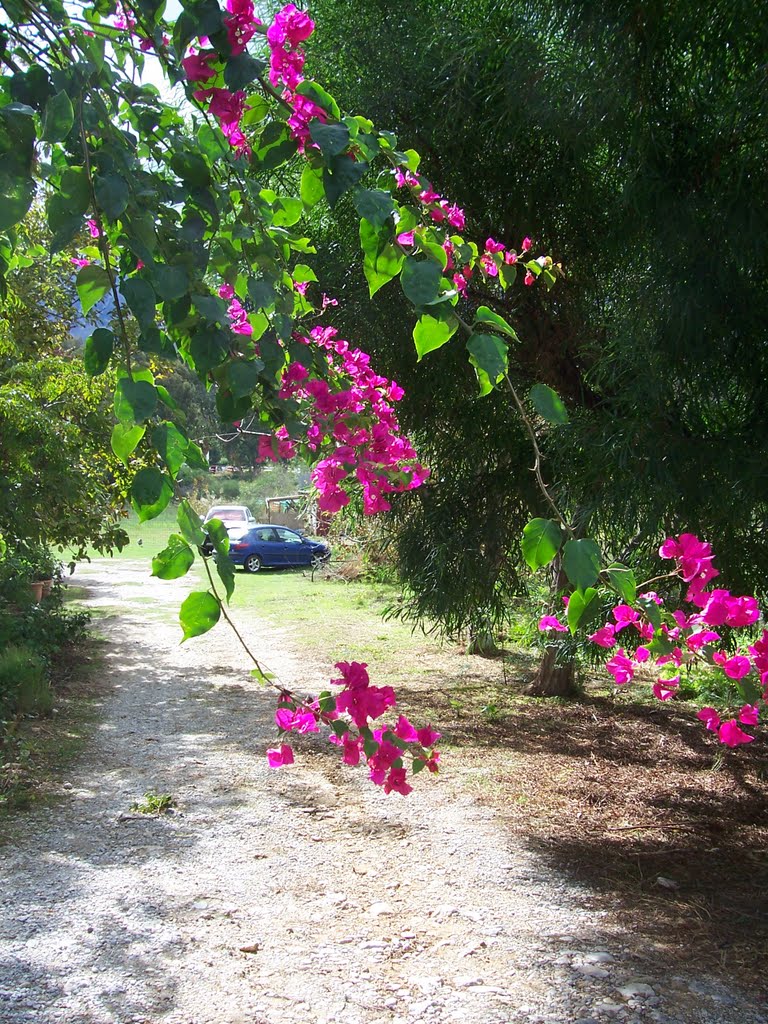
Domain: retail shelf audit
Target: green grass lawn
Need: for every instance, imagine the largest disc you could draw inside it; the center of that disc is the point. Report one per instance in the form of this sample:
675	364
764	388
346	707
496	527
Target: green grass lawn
338	619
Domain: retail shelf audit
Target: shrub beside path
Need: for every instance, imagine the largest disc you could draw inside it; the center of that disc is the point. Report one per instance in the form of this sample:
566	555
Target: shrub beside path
291	897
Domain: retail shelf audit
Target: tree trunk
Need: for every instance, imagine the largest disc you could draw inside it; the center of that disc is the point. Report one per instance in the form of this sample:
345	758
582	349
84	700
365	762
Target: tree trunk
483	643
553	680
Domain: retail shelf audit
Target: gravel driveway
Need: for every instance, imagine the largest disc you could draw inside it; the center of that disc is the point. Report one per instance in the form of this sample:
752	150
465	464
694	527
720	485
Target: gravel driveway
302	895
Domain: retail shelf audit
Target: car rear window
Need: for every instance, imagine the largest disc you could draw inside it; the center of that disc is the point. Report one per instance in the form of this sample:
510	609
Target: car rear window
232	515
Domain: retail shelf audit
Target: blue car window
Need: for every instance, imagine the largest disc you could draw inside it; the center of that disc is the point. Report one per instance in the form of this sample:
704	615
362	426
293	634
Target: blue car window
266	535
289	537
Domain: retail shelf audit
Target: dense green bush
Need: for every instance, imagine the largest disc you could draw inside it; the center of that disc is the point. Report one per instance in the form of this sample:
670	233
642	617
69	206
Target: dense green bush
24	685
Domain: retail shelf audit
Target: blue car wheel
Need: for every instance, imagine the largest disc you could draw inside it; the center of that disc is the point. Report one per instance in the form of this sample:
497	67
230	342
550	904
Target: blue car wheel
252	563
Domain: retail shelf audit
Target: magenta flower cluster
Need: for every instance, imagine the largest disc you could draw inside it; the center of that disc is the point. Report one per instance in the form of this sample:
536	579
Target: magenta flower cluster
350	715
688	637
352	413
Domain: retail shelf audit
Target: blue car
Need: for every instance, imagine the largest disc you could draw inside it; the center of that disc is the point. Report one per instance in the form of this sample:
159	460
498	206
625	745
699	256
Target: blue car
263	545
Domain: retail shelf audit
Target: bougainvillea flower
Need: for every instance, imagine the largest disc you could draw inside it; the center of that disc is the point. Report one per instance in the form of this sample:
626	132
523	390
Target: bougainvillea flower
197	66
663	689
605	636
675	656
405	731
547	622
279	756
710	718
697	640
732	736
749	714
625	615
427	736
621	667
737	667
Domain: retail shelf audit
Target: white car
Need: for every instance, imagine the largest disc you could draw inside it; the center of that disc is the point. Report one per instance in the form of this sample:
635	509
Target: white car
238	519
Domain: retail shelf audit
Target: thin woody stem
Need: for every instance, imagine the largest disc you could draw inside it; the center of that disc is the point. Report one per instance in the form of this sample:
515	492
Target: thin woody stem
103	244
235	630
538	458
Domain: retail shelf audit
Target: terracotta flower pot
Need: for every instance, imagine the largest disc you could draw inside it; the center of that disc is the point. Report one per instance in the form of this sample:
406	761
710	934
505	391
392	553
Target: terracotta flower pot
47	588
37	592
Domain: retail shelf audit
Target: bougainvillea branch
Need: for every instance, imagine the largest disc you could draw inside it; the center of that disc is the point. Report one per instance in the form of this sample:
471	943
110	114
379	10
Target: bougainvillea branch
212	267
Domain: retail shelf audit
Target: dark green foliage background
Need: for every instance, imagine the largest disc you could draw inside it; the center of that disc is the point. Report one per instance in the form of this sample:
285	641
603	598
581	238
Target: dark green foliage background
628	140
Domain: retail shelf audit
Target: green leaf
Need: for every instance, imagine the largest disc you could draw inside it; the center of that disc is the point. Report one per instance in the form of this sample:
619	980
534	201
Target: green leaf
192	168
342	174
75	188
150	493
373	204
488	352
171	445
311	186
651	609
484	381
141	299
199	613
217	531
287	212
243	375
242	70
125	438
339	727
507	275
327	702
548	404
420	280
432	332
16	195
195	457
275	146
302	273
111	194
173	561
165	396
209	347
98	351
135	400
170	282
383	260
261	292
581	562
58	118
211	307
583	606
262	677
190	525
484	315
225	568
92	285
542	539
623	581
661	644
319	96
331	138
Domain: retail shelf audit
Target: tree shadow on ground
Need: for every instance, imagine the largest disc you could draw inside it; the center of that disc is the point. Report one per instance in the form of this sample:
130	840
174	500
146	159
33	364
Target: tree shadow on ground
633	800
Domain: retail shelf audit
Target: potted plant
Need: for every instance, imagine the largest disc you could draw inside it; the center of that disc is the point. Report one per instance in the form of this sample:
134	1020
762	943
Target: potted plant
44	567
30	570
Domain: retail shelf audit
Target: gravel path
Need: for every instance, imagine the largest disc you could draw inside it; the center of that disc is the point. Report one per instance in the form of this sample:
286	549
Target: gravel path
303	895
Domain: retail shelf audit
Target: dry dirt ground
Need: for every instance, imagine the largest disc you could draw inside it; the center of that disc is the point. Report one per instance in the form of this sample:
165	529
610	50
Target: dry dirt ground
306	894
